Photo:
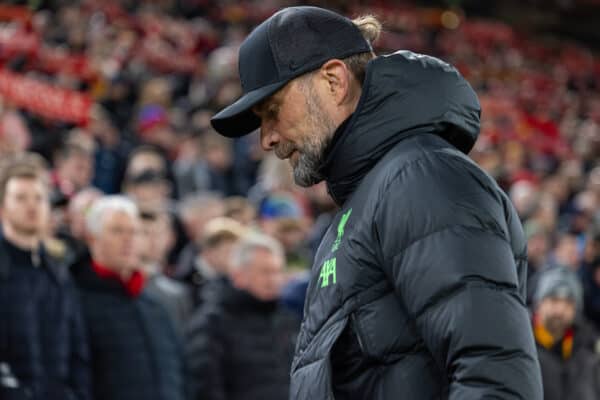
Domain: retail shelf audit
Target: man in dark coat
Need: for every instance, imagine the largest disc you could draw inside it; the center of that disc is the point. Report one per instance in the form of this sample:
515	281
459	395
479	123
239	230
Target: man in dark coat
135	350
418	286
43	350
240	342
567	344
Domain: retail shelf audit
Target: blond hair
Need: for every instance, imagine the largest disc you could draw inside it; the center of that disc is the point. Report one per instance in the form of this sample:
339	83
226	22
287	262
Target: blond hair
369	26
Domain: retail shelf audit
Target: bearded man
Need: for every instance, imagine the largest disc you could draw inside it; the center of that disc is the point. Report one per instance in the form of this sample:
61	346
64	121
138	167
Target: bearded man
418	287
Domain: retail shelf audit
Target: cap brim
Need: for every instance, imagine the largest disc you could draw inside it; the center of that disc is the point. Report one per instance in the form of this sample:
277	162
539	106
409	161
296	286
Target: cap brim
238	119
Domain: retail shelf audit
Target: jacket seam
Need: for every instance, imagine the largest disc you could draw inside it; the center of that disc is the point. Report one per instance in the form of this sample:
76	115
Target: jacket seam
445	228
476	282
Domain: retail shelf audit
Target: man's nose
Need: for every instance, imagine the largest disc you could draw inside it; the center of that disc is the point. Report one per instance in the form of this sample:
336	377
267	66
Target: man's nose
268	136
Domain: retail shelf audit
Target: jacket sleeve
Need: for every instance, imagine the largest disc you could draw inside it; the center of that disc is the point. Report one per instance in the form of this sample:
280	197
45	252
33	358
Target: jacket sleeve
456	273
204	356
80	368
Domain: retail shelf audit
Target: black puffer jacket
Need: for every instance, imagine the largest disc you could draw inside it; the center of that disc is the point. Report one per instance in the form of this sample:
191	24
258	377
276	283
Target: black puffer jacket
135	350
239	347
418	287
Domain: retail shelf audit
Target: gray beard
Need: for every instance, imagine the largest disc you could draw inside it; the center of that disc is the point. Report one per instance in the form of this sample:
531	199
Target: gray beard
308	169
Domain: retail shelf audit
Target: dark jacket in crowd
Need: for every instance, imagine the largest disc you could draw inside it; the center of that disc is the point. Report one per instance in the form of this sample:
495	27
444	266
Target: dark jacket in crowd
574	378
239	347
135	350
174	296
44	353
418	287
194	274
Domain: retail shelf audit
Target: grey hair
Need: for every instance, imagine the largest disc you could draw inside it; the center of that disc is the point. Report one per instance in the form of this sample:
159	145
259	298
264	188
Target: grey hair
95	217
245	248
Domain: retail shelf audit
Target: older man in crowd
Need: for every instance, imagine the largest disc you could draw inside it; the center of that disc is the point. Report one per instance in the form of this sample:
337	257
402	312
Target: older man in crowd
134	346
240	342
43	351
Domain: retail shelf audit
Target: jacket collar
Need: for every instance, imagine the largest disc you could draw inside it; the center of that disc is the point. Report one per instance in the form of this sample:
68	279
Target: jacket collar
56	271
404	94
133	285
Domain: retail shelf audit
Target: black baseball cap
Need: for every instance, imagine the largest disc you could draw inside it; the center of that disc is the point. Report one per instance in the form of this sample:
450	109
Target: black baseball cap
290	43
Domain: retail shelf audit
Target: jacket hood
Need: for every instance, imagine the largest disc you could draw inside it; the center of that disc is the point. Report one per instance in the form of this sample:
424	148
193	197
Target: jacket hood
403	94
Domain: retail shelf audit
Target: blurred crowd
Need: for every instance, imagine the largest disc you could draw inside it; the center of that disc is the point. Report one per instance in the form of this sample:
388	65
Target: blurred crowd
174	261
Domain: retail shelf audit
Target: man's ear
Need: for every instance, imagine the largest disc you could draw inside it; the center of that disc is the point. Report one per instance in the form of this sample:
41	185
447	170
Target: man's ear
337	79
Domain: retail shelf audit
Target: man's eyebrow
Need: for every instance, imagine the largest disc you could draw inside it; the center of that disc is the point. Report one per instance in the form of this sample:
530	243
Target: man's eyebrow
266	105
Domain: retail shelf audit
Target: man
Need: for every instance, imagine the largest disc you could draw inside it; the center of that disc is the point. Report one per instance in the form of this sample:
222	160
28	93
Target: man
567	344
280	216
157	240
150	189
195	212
213	261
74	162
206	168
240	341
136	353
418	287
591	274
43	350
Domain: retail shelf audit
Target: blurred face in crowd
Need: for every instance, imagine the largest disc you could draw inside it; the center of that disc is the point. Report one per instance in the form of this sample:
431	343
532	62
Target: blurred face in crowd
556	314
150	195
537	249
26	207
288	231
77	169
217	154
262	276
567	252
157	238
116	245
145	161
79	205
299	121
195	218
219	255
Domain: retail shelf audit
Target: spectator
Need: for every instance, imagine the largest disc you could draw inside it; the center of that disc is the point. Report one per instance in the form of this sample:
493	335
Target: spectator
591	275
567	345
241	210
74	163
111	152
146	179
538	247
195	211
43	349
209	169
135	348
149	189
213	262
240	342
146	158
78	208
158	238
280	216
155	128
566	253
